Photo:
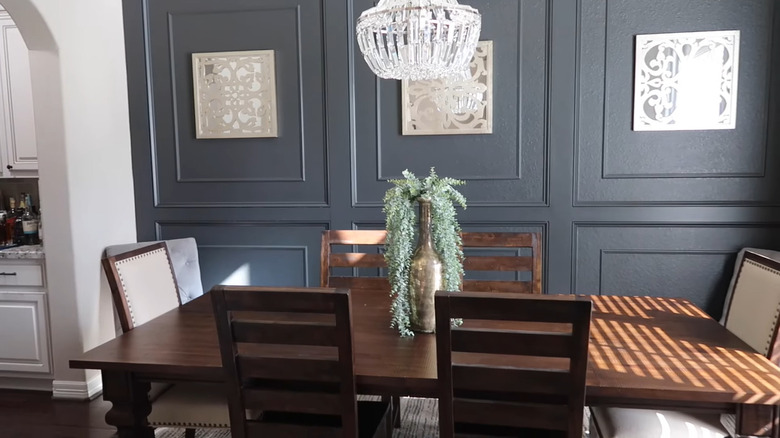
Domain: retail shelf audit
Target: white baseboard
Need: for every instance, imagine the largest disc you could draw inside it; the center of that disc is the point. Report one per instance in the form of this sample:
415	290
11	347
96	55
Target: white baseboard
74	390
26	384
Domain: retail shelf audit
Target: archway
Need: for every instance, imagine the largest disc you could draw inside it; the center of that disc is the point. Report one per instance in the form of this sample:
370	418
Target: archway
80	106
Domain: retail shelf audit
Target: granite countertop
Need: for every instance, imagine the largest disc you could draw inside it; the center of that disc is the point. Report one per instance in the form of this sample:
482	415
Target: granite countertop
23	252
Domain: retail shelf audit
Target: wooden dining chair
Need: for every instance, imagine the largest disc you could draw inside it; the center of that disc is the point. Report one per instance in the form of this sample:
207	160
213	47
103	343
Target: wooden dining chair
516	367
184	258
288	355
751	312
354	250
142	283
521	269
144	286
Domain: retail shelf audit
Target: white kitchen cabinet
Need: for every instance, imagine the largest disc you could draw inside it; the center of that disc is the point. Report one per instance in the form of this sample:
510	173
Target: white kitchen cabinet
18	145
24	331
25	345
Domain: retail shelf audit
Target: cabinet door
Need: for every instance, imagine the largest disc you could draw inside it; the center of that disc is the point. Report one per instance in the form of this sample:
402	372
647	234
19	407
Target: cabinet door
24	342
19	142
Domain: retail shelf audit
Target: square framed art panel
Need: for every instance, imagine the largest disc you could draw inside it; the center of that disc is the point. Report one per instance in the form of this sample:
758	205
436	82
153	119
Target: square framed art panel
462	104
686	81
235	94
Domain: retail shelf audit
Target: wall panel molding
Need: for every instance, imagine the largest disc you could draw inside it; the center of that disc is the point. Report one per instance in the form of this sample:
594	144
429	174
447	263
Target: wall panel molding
290	170
617	208
187	112
616	166
491	182
252	252
663	259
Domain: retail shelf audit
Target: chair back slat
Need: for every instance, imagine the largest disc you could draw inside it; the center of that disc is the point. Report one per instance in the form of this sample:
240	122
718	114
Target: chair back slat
306	402
294	369
143	284
504	414
357	260
304	300
530	266
498	263
356	237
280	332
284	430
520	343
487	379
514	287
352	283
517	363
556	309
287	353
498	240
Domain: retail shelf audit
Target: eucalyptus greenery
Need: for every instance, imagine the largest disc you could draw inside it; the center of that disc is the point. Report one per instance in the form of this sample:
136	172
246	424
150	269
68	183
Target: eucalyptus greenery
399	209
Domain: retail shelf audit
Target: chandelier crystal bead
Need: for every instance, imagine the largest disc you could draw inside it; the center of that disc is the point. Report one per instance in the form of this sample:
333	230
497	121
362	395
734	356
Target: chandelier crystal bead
418	39
461	94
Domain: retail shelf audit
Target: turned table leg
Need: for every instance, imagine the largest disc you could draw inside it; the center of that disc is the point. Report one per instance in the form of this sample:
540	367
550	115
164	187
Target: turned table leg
130	404
757	420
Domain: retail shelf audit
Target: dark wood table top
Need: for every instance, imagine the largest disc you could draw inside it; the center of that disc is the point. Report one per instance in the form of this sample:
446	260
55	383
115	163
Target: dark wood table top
643	351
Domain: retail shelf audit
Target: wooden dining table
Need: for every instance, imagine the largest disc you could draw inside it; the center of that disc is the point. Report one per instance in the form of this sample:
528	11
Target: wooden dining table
648	352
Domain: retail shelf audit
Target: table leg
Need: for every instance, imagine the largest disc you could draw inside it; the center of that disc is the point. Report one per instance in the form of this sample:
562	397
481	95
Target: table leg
396	413
130	404
757	420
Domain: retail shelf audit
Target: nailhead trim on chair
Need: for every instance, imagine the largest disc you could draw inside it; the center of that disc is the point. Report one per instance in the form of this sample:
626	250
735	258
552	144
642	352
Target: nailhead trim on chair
191	425
777	311
124	286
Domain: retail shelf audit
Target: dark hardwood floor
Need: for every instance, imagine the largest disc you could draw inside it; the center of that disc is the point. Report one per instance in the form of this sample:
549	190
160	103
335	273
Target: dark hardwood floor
30	414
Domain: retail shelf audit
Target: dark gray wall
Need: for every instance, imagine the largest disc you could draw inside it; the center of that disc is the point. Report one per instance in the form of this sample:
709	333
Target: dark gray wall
622	212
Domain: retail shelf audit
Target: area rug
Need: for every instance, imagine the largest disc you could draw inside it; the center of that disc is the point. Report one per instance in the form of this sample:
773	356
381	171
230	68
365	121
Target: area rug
419	419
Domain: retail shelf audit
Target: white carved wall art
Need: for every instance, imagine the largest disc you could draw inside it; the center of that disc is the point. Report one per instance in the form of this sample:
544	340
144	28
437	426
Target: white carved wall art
462	104
686	81
235	94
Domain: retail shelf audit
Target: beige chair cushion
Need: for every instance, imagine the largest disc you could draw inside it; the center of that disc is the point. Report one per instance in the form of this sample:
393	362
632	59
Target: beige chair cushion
755	305
646	423
149	285
184	258
729	421
191	405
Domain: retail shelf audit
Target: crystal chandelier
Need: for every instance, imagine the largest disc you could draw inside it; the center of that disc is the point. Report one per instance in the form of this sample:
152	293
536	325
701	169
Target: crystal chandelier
461	94
418	39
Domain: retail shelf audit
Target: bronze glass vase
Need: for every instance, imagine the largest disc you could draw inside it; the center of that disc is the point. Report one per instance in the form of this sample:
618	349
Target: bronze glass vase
425	276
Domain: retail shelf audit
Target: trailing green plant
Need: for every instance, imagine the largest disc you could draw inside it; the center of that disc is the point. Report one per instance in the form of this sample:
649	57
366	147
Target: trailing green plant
399	208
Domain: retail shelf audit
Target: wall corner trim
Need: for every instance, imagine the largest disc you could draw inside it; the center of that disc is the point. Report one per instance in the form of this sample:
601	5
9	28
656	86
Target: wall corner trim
76	390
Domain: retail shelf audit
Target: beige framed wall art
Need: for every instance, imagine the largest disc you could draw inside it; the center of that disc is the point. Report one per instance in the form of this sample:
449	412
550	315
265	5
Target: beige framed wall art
462	104
235	94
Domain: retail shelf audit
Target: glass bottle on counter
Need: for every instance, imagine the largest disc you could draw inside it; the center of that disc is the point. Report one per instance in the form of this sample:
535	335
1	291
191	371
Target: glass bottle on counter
40	226
18	228
29	225
9	222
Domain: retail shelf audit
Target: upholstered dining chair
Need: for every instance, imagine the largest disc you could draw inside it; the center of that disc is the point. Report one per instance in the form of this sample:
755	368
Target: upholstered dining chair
185	261
751	312
145	284
288	356
516	367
